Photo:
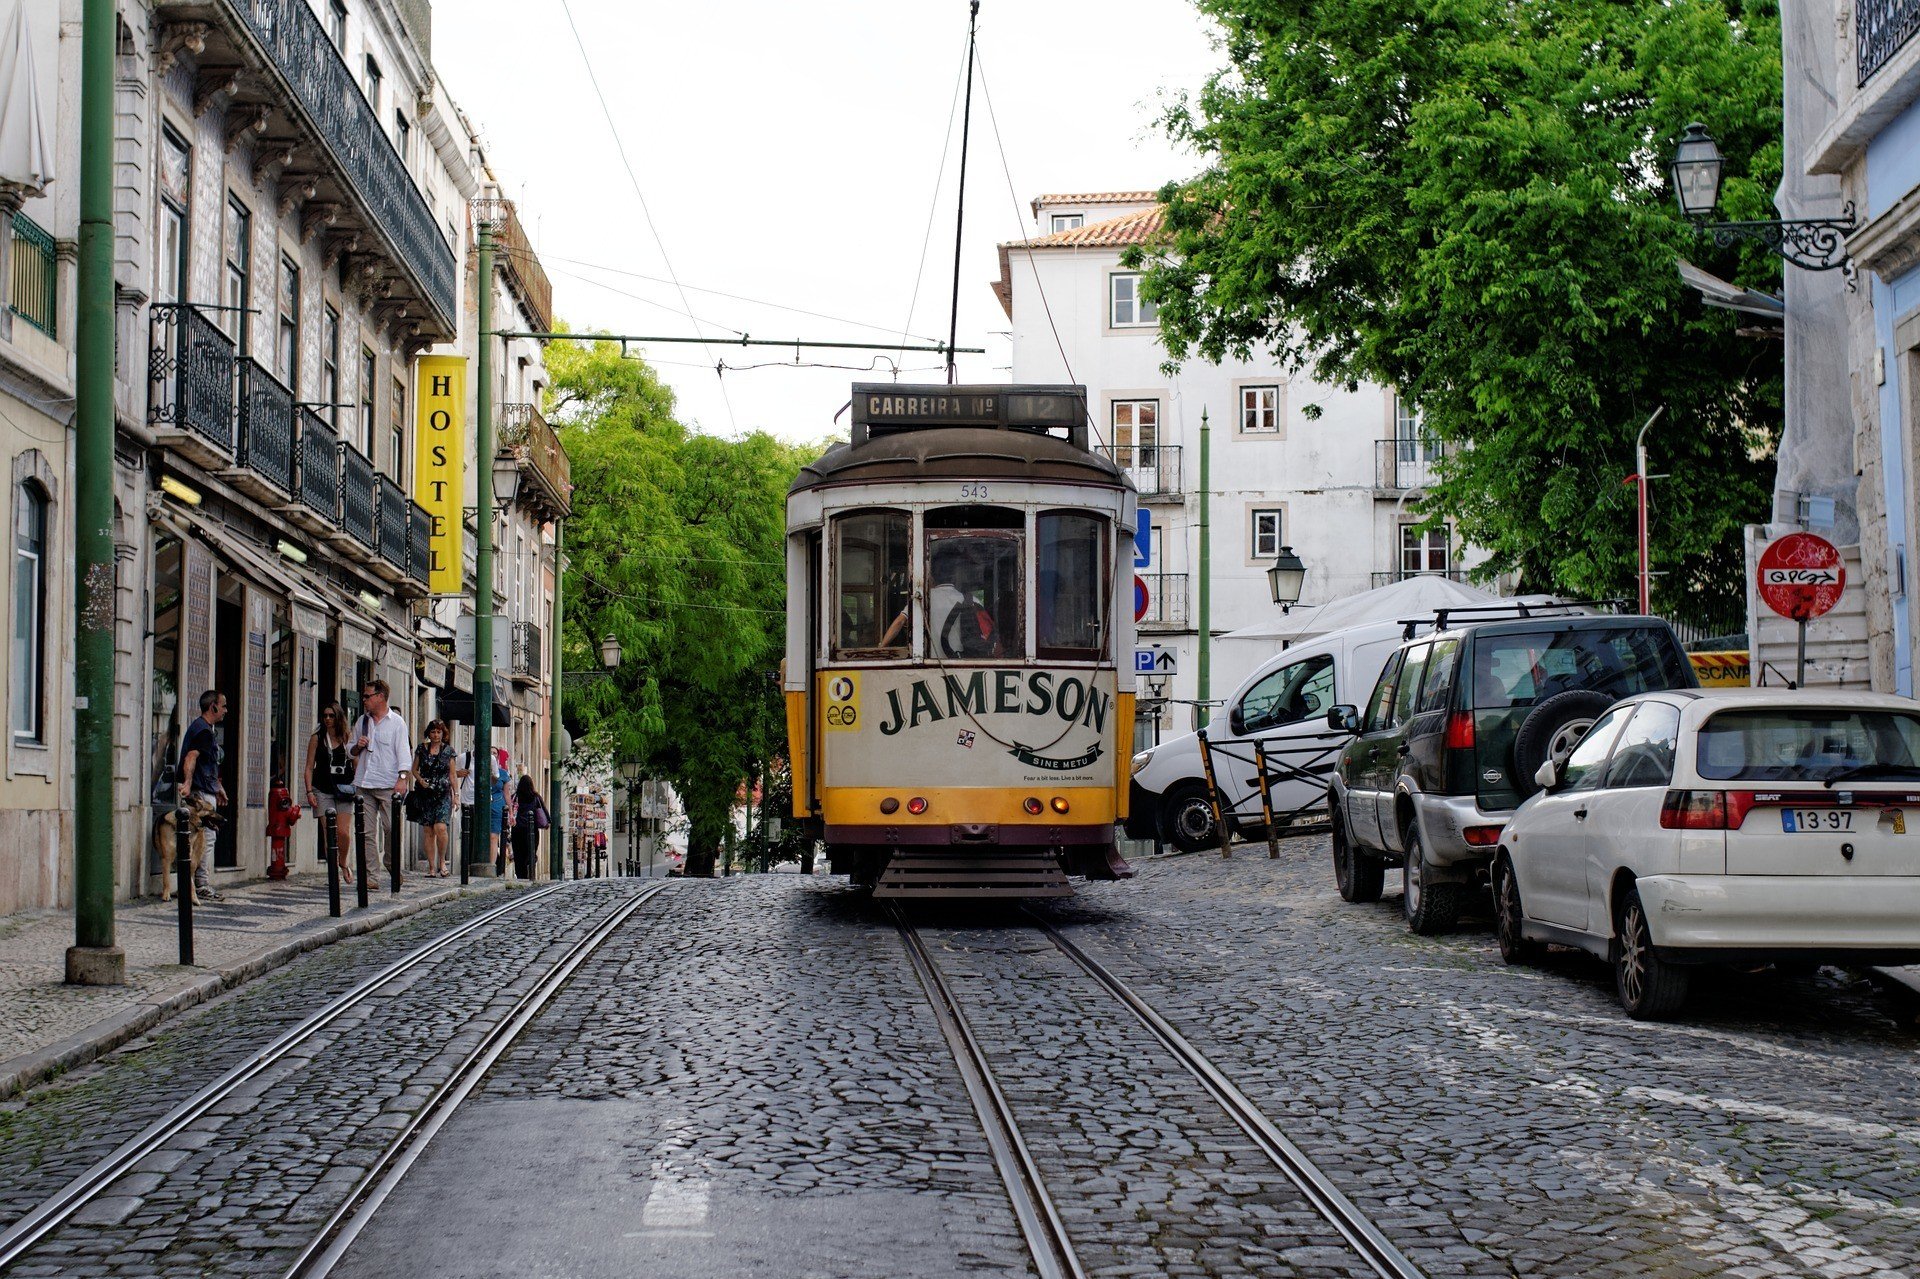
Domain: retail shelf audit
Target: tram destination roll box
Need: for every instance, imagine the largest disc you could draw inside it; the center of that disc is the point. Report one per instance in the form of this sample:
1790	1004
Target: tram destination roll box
885	408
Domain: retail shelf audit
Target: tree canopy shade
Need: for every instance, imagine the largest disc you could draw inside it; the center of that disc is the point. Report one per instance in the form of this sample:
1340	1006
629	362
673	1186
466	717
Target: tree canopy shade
1467	200
675	548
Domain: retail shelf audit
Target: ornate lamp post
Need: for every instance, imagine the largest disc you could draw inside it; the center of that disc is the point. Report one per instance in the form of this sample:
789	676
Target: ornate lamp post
1285	578
1813	244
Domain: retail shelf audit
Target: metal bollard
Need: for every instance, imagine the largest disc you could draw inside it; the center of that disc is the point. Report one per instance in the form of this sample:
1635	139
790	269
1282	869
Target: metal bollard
183	872
329	839
396	838
360	853
1213	796
1266	799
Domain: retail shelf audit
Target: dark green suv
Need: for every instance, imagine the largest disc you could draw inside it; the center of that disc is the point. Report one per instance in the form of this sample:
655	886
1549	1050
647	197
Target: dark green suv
1458	723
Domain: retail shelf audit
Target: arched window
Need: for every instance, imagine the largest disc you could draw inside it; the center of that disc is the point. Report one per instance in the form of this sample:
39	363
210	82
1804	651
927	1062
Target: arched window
29	611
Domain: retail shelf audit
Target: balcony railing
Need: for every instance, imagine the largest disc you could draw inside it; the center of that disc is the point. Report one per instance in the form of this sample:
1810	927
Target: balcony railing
419	544
513	251
1166	599
526	434
1399	465
190	369
1402	574
1880	28
393	524
1153	468
324	97
31	293
319	467
266	426
526	649
356	496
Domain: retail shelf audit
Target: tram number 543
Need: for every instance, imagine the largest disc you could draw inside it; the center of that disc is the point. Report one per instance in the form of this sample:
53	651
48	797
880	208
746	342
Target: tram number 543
973	492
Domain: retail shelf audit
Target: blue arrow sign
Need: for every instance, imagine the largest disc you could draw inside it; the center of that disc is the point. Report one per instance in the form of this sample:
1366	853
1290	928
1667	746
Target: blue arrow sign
1143	540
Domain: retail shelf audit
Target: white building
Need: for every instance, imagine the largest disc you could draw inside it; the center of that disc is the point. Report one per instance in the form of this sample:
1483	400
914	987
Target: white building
1335	474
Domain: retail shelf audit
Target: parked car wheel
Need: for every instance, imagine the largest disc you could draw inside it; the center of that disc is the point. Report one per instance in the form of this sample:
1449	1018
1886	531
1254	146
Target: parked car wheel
1188	819
1430	907
1515	947
1551	730
1650	988
1360	877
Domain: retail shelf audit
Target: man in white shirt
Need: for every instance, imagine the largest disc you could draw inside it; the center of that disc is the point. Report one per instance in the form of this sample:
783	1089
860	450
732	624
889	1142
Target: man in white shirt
383	768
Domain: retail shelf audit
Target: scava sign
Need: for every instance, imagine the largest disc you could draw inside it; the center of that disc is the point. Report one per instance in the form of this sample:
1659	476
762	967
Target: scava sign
1801	576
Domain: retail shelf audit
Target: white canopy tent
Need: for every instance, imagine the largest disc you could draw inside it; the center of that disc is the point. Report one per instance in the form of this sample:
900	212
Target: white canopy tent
26	154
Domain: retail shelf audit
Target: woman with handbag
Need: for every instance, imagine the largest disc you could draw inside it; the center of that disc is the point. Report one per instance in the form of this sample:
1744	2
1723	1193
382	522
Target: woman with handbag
531	819
330	785
430	802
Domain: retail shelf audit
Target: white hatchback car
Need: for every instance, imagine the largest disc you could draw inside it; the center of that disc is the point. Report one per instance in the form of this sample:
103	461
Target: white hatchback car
1693	827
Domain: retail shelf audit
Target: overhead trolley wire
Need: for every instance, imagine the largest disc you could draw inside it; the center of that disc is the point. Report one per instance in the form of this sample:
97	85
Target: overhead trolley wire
933	205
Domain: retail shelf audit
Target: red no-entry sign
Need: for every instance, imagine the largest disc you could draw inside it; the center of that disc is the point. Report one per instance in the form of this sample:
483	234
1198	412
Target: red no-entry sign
1139	597
1801	576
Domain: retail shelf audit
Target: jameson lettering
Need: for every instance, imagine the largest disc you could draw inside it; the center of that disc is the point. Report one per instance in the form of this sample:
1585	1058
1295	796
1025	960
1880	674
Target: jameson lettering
1071	699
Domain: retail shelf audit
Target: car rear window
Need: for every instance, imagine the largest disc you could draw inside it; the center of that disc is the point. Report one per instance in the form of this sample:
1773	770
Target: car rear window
1810	744
1521	668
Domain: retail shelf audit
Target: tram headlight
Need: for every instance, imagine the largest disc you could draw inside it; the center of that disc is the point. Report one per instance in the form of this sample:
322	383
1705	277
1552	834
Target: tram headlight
916	805
1140	760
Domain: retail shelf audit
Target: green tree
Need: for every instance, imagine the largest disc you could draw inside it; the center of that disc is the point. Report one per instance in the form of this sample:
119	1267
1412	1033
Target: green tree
675	548
1467	200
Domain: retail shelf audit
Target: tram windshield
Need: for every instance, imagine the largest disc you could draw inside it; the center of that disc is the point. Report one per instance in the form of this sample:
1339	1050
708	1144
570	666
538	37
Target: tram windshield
974	577
1071	594
873	567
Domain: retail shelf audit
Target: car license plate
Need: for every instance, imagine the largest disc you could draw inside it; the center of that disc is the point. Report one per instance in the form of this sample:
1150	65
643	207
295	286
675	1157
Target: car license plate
1815	821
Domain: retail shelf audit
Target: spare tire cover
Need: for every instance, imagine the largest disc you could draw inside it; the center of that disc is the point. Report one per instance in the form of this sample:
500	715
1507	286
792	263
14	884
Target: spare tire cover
1545	722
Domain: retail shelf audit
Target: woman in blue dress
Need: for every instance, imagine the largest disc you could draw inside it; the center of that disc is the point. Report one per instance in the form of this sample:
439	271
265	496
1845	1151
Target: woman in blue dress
497	799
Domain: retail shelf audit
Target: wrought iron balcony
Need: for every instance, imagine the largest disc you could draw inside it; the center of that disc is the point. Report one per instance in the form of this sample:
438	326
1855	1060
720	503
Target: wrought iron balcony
1401	465
1166	600
292	85
33	293
1402	574
524	433
190	376
1153	468
319	450
525	276
356	496
526	649
1881	28
266	433
419	545
393	526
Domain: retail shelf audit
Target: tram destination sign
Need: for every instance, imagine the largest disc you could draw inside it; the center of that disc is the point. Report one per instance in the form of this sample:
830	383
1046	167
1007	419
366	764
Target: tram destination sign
881	407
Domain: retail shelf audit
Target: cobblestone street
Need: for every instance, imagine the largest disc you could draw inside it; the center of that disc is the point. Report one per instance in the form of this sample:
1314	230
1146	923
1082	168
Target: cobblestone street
748	1079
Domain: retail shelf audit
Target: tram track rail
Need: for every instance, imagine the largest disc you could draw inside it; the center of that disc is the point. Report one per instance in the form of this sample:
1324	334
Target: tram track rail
1023	1177
24	1234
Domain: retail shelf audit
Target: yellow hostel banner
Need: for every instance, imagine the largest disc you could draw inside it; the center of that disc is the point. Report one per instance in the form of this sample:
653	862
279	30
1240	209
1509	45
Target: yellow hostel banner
439	462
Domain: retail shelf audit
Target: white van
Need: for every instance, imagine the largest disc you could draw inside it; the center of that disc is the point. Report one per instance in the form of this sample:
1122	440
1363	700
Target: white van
1282	705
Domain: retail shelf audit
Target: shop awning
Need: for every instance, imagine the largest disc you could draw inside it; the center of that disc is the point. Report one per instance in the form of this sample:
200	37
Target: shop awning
308	609
457	707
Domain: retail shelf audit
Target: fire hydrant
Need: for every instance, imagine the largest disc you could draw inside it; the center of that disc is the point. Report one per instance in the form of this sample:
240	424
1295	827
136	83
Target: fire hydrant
282	813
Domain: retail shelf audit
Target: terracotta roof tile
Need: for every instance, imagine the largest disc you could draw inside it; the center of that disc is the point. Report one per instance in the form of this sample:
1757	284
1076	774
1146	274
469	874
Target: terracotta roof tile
1095	197
1129	228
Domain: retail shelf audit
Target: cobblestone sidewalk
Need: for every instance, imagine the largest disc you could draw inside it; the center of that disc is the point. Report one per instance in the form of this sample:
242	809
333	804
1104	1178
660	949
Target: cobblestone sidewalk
47	1026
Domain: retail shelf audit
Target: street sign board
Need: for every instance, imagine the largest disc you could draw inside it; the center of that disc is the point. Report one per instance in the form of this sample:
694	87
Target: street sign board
1155	660
1143	540
1140	597
1801	576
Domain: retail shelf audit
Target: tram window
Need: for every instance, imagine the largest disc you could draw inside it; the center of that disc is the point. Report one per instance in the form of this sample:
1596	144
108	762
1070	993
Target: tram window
975	571
1071	596
873	567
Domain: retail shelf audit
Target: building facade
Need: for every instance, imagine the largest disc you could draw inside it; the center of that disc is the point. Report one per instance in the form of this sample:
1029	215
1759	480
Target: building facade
296	200
1334	473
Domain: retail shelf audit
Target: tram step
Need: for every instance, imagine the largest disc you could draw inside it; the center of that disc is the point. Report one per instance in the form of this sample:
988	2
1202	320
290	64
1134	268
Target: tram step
993	875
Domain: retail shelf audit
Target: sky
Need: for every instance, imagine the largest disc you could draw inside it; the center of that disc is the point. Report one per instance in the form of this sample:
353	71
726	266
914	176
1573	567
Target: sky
787	154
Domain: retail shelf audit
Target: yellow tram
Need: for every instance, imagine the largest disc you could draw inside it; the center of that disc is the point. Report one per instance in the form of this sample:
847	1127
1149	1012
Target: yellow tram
958	668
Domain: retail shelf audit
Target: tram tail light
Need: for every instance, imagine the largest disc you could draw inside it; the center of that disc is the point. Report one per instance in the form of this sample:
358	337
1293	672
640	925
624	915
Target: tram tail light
916	805
1033	805
889	805
1059	804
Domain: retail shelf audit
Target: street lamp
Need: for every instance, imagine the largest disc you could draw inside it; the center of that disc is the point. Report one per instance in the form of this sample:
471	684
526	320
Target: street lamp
1813	244
630	770
506	479
1285	578
609	652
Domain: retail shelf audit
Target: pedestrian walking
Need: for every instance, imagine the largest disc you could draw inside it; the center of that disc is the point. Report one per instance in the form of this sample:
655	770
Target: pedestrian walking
530	819
202	793
431	800
383	767
330	784
498	794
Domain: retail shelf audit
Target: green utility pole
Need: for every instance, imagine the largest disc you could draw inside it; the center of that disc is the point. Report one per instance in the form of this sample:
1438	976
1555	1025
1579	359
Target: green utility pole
483	570
94	960
1206	573
557	836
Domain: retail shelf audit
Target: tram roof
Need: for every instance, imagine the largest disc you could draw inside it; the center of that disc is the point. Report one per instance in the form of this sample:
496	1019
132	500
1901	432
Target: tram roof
960	452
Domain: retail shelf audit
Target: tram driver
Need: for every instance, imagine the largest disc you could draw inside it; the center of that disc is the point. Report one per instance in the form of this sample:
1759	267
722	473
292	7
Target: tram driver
958	623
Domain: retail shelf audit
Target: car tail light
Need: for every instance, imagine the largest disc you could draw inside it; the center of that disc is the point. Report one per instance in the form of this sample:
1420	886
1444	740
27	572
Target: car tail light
1482	836
1033	805
1460	731
916	805
1059	804
1705	809
889	805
